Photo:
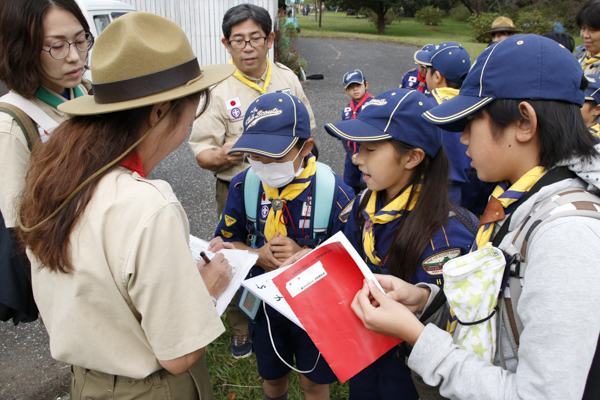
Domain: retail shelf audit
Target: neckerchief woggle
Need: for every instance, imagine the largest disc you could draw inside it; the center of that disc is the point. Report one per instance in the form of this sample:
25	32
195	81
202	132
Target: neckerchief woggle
238	75
395	209
507	196
289	193
589	59
357	107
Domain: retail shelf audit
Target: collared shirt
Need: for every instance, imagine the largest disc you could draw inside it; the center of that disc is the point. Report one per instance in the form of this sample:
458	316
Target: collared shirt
14	157
135	296
450	241
223	120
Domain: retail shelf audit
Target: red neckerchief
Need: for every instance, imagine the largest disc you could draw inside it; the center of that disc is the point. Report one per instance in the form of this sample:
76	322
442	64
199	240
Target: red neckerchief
421	79
133	162
359	105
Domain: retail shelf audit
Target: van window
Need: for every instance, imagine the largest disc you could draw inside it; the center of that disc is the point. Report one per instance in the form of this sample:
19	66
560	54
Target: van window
101	22
117	14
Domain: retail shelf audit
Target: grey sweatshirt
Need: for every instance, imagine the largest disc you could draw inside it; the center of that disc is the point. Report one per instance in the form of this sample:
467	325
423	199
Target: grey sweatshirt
559	307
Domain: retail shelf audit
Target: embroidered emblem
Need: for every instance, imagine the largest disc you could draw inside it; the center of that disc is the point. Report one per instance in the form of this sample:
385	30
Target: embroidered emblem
256	115
345	213
264	211
433	264
233	103
236	113
376	102
229	221
226	234
264	199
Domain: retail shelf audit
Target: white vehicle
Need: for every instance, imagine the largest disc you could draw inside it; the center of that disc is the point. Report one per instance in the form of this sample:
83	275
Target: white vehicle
100	13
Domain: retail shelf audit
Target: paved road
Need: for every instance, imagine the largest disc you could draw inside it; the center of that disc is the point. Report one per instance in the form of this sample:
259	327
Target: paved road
26	369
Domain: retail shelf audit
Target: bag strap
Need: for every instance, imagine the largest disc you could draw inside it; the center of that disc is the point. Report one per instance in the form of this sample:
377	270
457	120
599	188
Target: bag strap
25	123
31	109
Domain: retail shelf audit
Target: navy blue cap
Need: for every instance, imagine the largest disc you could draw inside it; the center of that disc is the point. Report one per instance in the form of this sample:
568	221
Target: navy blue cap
353	76
426	48
593	90
450	59
518	67
272	126
395	114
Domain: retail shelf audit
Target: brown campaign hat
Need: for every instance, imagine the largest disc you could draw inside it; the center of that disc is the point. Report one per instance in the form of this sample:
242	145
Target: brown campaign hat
142	59
502	24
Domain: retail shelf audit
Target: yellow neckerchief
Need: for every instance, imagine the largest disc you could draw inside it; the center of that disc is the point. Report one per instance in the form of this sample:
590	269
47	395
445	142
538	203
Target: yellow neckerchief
444	94
589	59
506	198
395	209
251	84
289	193
595	130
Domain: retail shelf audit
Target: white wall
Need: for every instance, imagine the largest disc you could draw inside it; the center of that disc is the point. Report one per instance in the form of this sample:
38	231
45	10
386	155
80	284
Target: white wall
201	20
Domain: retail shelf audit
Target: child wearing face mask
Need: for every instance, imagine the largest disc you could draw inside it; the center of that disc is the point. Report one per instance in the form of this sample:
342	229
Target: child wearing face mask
278	140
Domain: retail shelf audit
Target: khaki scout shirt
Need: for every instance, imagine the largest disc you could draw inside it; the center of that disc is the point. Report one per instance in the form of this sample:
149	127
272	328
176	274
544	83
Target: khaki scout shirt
223	120
14	158
135	295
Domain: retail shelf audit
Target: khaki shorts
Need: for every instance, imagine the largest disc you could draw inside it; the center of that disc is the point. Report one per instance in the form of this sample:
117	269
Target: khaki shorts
87	384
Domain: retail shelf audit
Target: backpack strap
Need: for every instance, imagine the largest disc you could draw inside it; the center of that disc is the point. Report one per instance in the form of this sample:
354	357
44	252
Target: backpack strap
325	190
31	109
25	123
251	189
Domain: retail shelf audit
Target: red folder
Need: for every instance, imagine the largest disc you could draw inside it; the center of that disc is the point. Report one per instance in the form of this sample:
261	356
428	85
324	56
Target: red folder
320	288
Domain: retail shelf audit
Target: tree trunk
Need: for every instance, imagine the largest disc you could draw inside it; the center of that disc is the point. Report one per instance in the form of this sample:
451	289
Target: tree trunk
381	22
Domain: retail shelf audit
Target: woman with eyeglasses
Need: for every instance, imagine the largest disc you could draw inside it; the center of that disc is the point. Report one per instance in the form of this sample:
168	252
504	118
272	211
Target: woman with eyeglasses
43	51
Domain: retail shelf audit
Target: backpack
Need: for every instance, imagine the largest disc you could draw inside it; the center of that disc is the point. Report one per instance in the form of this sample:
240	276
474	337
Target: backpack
325	193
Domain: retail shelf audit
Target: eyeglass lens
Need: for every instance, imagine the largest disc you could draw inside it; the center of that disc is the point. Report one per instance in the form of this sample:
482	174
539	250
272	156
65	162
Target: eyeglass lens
60	49
254	42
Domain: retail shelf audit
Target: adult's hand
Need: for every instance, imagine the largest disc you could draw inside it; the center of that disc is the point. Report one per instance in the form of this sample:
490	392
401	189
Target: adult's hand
229	159
411	296
217	244
283	247
216	274
389	317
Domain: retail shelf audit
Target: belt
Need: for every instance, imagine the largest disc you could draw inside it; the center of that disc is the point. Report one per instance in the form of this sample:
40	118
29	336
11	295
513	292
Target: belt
224	182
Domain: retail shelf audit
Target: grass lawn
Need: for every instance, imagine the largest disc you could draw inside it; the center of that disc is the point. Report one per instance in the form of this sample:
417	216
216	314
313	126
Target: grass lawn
404	31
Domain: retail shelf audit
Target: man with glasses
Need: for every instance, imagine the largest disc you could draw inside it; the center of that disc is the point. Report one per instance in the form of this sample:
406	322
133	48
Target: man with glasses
247	36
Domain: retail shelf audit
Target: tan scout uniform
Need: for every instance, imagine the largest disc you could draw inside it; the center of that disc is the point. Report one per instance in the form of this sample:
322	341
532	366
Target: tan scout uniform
223	121
135	295
14	158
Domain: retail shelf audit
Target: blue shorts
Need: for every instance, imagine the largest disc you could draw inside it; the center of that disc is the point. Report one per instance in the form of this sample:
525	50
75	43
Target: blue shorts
292	343
385	379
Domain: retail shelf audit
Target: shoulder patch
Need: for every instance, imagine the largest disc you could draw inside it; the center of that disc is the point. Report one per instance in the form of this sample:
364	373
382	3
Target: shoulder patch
226	234
280	65
433	264
345	213
229	221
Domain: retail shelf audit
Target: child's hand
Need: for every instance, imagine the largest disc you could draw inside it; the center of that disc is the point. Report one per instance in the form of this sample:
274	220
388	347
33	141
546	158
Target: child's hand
217	244
389	318
266	259
296	257
411	296
283	247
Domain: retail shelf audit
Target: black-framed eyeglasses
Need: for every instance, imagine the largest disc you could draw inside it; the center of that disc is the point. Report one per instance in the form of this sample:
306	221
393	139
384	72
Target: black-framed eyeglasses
60	49
254	42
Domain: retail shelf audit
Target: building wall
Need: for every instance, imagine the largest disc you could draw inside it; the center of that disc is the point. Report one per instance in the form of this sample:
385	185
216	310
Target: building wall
201	20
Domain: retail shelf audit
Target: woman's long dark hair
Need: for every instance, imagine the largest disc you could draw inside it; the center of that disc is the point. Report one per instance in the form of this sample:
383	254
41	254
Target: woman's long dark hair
77	149
430	213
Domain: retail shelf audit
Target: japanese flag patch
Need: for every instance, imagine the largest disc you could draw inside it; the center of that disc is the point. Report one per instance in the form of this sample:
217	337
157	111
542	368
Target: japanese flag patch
233	103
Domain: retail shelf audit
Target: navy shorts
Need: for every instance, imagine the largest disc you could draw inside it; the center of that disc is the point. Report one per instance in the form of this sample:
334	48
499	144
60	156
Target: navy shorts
385	379
293	345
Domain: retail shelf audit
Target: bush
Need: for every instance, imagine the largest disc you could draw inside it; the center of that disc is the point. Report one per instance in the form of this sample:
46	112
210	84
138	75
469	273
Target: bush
460	12
284	48
534	22
390	17
429	15
480	24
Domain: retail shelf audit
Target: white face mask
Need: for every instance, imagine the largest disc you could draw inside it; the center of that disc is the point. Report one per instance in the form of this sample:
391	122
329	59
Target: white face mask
276	175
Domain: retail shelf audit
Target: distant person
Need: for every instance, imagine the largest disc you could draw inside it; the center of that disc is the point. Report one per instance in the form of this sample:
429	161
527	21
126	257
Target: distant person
502	27
591	107
447	65
414	78
355	86
588	21
563	38
247	36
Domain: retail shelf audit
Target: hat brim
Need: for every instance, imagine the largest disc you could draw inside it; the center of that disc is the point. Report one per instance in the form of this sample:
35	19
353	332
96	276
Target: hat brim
351	82
502	29
265	144
211	75
452	115
356	130
422	58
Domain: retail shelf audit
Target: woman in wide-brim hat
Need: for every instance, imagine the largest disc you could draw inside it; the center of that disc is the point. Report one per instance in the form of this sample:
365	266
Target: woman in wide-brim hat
502	27
114	279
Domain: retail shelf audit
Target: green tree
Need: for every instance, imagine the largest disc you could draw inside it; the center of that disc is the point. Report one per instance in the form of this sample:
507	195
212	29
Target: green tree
379	7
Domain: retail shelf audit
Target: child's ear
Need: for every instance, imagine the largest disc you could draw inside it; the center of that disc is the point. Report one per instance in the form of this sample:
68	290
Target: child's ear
308	146
415	157
596	111
366	85
526	128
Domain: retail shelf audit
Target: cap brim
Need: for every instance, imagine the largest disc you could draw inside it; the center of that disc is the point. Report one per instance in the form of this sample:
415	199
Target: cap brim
351	82
452	115
264	144
356	130
423	58
211	75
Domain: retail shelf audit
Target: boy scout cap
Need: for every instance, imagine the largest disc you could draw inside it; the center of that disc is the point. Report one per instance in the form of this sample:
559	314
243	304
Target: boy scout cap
545	70
450	59
353	76
142	59
502	24
395	114
273	124
592	93
426	48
